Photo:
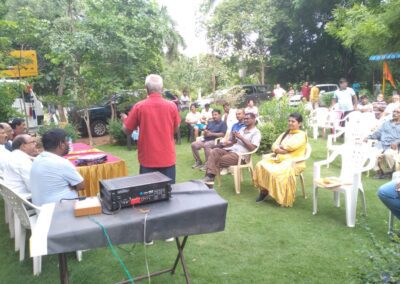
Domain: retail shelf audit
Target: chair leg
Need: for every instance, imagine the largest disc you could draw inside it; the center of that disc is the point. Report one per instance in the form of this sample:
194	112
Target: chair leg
336	199
236	179
219	179
22	242
303	187
17	231
79	255
37	265
390	222
11	228
6	212
315	202
351	206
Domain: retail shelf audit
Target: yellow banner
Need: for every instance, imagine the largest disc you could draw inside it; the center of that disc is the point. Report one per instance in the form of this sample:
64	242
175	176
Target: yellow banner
28	66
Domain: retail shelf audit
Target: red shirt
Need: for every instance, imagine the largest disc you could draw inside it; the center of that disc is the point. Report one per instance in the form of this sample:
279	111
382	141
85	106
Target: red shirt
157	120
305	90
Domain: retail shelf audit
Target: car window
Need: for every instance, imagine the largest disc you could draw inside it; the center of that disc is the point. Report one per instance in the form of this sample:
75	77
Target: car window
324	88
248	90
261	89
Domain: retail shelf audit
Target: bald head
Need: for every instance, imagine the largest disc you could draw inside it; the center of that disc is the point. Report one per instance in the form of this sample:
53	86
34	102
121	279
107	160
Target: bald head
154	84
25	143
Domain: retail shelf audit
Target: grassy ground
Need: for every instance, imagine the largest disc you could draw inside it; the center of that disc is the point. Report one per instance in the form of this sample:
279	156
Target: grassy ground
262	243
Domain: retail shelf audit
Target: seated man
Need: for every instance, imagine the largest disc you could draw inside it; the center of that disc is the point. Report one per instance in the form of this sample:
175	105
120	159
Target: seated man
365	105
206	114
10	135
19	126
18	167
193	120
389	194
379	106
4	153
245	140
52	177
215	128
240	114
391	107
229	116
388	136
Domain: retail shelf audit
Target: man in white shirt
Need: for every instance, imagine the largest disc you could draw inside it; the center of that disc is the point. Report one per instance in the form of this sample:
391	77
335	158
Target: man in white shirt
387	114
229	116
10	134
345	98
206	114
4	153
18	166
52	177
279	92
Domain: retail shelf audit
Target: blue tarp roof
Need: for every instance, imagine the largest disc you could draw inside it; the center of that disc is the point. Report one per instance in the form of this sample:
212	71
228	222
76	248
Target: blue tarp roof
385	56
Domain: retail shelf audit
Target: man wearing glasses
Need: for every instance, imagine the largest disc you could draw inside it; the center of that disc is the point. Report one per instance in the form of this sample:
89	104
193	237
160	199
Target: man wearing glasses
388	136
19	163
245	140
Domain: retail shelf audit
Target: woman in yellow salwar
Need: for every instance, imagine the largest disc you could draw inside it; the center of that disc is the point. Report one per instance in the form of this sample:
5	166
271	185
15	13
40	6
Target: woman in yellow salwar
275	175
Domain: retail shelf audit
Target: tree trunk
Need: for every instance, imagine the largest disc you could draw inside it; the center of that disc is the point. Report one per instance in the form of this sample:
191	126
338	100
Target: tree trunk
262	72
60	93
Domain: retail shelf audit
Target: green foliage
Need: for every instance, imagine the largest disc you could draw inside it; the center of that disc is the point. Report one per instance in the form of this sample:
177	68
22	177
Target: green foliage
183	126
70	129
382	265
275	115
8	94
372	29
114	128
326	99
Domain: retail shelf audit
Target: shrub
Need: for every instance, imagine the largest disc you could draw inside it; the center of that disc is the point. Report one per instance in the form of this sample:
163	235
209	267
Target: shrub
69	128
326	99
275	115
114	128
8	93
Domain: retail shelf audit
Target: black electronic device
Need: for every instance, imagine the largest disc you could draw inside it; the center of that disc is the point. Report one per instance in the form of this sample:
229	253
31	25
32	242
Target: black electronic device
124	192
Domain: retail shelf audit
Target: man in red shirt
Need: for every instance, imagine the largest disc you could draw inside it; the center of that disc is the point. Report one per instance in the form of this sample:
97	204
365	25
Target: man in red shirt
305	90
157	119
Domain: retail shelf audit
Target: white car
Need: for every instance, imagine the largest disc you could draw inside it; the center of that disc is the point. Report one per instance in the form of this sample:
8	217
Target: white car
209	99
324	89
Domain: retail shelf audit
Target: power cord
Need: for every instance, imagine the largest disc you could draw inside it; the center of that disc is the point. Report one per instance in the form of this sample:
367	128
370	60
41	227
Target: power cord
80	198
145	247
113	251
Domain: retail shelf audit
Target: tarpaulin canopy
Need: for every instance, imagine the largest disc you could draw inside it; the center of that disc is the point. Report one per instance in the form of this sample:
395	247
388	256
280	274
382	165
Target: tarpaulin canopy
388	56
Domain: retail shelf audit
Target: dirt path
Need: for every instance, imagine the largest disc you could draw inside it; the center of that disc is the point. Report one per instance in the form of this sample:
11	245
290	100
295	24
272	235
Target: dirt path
97	141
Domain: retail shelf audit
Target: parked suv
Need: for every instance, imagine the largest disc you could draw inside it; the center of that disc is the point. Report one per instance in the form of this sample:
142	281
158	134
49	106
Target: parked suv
99	115
258	93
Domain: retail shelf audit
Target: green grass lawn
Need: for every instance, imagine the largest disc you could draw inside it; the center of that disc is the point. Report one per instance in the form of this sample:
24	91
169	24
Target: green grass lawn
262	243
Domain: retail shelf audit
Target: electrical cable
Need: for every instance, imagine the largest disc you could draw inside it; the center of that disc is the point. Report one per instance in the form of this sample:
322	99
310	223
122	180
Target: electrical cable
145	247
80	198
113	251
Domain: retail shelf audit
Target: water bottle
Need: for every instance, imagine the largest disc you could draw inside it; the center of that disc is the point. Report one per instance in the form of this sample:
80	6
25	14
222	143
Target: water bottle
70	146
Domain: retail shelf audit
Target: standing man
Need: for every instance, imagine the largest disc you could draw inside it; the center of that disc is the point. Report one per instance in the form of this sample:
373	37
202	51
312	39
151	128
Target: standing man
279	92
305	91
229	116
345	97
314	96
157	119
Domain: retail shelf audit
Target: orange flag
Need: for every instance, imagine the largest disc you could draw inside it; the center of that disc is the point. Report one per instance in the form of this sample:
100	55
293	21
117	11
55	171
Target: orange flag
387	75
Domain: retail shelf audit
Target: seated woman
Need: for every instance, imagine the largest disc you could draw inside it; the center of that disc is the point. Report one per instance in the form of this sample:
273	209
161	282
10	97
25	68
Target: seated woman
275	175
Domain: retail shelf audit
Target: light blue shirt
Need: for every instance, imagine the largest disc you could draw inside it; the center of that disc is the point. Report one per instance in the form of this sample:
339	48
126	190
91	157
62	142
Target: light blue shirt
344	99
51	179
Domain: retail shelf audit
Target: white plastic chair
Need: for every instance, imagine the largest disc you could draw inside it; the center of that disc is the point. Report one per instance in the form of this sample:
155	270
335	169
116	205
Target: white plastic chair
301	176
22	220
237	169
355	161
319	119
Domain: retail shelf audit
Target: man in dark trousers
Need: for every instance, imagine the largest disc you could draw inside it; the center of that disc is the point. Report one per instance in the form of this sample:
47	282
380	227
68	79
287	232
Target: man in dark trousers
157	119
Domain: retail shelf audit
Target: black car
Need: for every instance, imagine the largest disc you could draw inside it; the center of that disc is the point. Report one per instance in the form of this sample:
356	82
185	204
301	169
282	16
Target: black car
257	93
100	114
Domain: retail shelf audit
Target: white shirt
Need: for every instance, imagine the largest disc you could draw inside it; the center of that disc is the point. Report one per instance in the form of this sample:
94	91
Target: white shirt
279	93
206	114
231	119
4	154
193	118
391	107
254	135
17	171
51	179
345	99
253	109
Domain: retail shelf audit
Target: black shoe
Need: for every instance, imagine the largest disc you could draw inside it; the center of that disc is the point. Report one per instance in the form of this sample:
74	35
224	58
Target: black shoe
208	180
379	176
262	196
197	164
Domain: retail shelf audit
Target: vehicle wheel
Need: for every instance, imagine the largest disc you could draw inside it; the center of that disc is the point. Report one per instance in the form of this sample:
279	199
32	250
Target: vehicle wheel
99	128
